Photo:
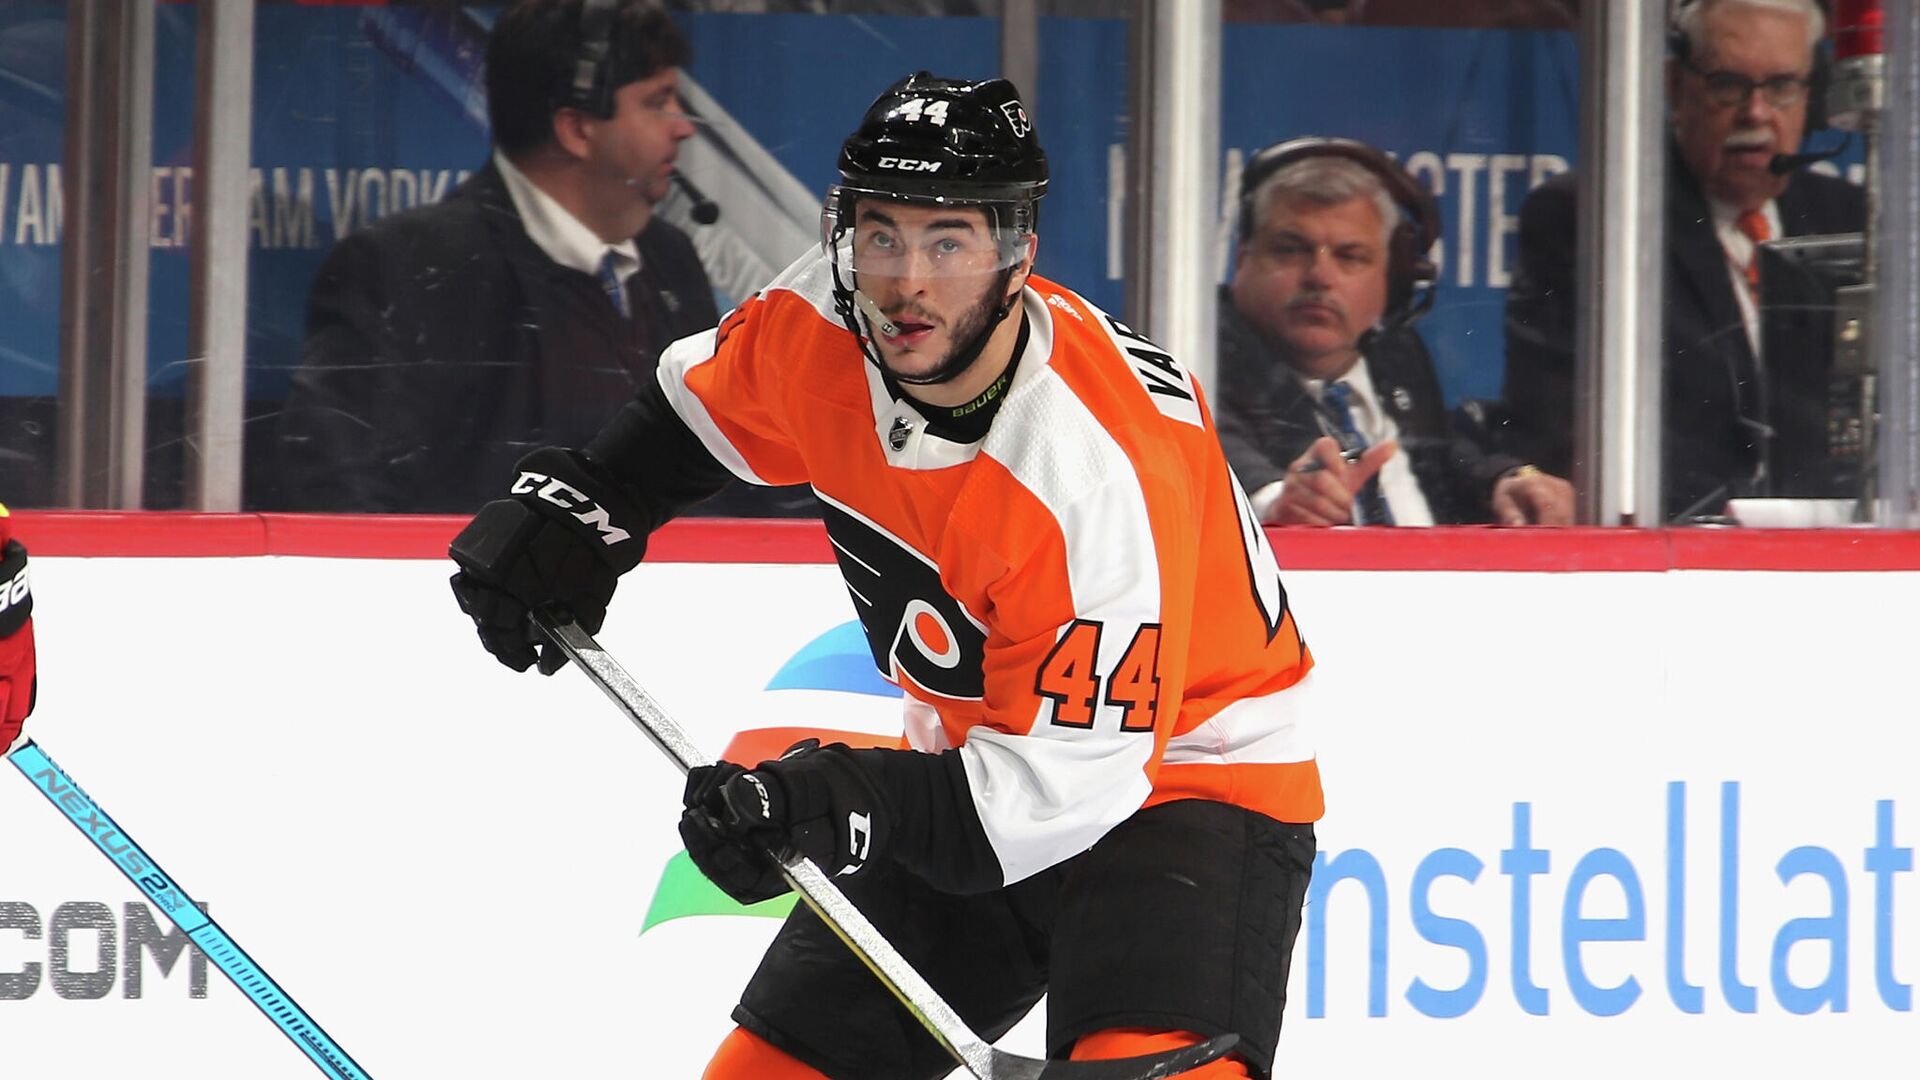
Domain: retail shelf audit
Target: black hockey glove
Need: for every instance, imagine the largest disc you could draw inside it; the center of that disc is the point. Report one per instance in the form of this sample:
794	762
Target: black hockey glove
816	801
563	538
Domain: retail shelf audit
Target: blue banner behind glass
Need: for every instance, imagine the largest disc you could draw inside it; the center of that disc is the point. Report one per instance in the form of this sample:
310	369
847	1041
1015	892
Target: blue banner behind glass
801	83
33	94
1479	115
361	112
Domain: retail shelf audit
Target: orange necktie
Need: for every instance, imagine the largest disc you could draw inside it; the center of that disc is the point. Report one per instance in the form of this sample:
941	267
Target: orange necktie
1753	224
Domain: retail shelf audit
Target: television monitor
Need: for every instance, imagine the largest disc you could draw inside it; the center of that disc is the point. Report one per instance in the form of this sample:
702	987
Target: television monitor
1814	350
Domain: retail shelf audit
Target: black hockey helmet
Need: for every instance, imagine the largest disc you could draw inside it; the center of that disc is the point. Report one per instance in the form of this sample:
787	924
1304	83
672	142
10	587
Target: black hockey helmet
948	142
938	138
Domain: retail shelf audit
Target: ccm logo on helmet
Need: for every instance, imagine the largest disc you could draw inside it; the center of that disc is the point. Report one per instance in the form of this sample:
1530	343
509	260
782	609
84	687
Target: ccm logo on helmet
571	499
908	165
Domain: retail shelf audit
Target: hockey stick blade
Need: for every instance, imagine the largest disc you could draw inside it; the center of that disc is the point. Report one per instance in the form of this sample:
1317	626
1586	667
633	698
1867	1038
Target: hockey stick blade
166	894
1172	1063
973	1053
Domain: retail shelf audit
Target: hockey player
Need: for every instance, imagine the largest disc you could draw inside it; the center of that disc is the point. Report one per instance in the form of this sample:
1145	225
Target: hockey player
18	683
1110	790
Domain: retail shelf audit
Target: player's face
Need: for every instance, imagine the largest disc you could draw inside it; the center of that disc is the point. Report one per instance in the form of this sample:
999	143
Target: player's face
934	272
1729	146
639	142
1313	279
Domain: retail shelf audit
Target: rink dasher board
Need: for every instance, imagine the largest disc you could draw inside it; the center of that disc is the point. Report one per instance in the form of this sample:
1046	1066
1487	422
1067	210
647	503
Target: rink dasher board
448	864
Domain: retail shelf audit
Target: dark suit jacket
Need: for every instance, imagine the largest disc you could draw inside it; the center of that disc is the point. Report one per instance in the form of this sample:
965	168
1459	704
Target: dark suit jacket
1267	419
443	344
1716	404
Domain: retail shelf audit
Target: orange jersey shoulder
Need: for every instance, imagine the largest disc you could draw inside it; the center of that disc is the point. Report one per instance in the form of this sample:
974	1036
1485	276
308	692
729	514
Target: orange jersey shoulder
1081	602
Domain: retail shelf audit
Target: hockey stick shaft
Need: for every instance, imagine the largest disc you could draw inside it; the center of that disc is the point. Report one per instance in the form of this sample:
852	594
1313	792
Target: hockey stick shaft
968	1049
807	879
139	868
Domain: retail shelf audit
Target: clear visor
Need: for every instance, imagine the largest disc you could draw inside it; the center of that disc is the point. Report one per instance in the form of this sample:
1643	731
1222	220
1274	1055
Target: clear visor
879	234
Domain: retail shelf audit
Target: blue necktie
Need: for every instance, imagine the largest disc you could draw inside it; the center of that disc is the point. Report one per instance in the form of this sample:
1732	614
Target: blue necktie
1369	505
615	288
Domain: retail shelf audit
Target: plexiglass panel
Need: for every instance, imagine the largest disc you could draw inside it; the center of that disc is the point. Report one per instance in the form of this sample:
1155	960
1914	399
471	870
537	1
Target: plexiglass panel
1377	157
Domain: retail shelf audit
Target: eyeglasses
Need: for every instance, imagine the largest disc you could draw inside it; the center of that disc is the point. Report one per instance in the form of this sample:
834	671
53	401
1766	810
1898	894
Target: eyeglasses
1728	88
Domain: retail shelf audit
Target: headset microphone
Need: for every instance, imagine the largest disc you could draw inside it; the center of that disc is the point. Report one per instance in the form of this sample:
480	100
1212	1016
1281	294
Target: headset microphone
705	210
1782	164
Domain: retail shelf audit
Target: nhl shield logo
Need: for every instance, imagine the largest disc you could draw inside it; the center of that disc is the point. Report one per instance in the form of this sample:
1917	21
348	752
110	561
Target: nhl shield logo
1016	115
897	435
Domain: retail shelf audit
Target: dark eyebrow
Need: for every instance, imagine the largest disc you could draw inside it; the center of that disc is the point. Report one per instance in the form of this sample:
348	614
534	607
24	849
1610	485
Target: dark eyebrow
880	217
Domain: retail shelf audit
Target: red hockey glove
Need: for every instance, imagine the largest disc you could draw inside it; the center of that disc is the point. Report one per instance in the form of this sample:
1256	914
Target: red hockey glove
17	681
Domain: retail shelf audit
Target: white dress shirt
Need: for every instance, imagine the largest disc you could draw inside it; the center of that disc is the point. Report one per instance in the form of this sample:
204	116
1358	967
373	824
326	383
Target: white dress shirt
1740	251
560	234
1398	485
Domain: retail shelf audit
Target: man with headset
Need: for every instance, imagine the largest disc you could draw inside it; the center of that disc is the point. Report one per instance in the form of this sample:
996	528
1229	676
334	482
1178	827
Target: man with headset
1330	410
1108	783
444	342
1739	84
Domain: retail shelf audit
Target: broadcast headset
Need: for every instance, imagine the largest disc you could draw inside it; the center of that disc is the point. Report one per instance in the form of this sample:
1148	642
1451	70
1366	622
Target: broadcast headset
591	88
1411	273
1680	48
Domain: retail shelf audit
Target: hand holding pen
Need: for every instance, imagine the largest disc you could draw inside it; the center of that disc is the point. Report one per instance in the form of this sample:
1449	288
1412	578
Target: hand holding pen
1320	485
1311	464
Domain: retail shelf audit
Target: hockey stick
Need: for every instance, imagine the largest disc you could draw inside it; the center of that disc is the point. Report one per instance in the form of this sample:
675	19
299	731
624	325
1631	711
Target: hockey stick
975	1054
206	934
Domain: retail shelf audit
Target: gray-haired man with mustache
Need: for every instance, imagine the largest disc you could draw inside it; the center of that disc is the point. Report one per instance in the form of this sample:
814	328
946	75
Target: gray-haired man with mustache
1328	406
1736	423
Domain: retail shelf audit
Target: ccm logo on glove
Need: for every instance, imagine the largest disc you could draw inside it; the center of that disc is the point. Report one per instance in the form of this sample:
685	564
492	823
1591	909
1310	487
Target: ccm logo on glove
574	501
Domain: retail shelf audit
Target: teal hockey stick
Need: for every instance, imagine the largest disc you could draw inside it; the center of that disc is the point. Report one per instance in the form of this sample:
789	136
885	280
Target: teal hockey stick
119	848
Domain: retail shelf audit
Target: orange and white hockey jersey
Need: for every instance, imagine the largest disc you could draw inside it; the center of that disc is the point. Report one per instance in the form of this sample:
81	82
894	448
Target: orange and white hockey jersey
1081	603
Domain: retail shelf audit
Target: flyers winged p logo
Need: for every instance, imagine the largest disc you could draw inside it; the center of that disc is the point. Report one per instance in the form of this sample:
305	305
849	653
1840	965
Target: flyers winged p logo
915	629
1016	115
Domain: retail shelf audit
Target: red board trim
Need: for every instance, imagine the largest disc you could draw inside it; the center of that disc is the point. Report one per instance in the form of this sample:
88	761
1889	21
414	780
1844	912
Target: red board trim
181	534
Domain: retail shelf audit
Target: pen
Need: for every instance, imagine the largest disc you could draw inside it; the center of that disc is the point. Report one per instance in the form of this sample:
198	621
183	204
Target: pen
1316	465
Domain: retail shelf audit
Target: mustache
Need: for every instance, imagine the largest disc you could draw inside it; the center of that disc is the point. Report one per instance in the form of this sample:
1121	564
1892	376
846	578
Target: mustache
1318	299
911	312
1749	139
